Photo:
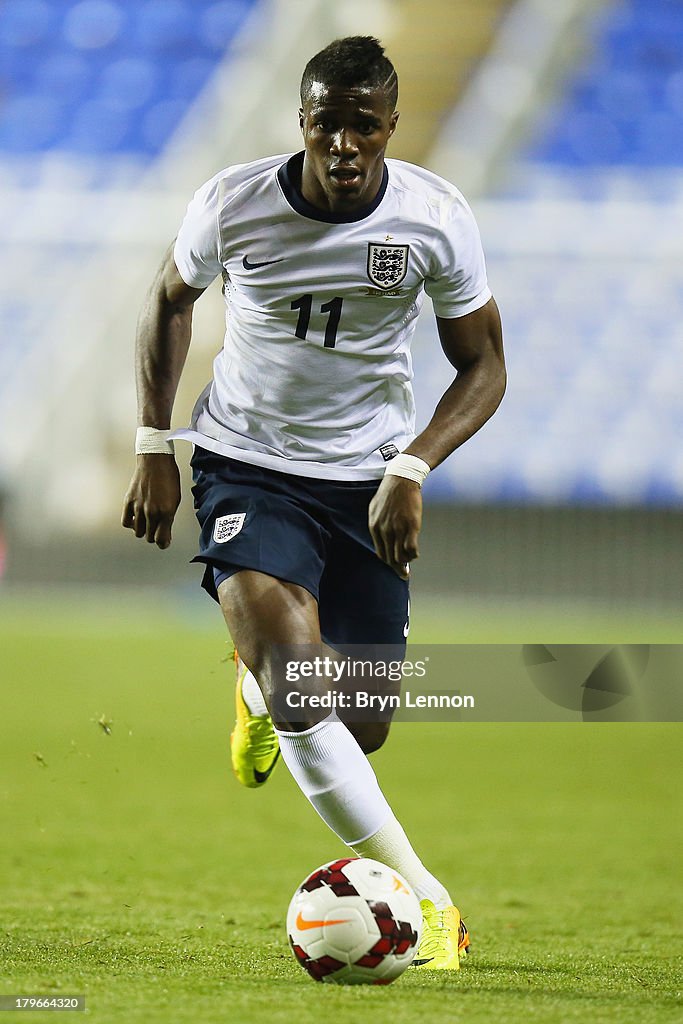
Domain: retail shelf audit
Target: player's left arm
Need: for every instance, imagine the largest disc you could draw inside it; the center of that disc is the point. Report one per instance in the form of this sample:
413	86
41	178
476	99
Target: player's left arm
473	344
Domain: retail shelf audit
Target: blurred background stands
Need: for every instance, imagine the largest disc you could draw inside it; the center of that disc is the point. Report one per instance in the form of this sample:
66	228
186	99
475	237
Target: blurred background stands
562	123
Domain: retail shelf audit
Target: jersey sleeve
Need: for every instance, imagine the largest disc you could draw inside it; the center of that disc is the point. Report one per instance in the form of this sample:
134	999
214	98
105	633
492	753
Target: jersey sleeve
197	250
458	285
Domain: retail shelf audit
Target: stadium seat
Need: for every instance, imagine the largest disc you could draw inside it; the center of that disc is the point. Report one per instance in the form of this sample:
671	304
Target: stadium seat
129	83
93	24
218	25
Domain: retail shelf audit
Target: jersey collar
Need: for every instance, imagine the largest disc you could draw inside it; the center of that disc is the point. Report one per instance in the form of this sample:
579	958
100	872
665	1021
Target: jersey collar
290	172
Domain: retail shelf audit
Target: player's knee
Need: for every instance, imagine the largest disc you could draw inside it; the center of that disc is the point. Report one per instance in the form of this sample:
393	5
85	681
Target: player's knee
290	707
370	735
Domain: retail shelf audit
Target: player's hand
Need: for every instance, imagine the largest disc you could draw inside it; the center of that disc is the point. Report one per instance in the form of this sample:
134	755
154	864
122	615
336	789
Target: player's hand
152	499
395	518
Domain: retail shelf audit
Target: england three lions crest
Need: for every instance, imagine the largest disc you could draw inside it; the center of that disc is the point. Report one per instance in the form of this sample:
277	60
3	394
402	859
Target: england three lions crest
227	527
387	264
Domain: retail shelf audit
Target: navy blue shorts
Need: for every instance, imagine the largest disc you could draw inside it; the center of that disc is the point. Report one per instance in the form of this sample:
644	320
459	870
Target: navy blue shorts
310	532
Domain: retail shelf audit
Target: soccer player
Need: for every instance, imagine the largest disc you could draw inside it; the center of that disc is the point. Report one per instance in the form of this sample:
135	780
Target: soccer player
307	470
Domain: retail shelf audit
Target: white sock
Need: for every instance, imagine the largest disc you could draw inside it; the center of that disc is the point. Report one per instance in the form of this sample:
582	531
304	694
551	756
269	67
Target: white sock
333	772
391	846
253	698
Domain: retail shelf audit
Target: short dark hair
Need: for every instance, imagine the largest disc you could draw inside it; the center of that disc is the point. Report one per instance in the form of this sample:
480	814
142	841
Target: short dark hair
356	61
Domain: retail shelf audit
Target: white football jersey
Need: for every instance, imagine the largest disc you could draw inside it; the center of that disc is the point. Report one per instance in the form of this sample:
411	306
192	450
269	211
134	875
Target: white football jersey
314	377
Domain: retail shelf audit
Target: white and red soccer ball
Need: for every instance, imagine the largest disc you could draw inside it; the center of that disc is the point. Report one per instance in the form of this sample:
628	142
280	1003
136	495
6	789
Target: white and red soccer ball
354	921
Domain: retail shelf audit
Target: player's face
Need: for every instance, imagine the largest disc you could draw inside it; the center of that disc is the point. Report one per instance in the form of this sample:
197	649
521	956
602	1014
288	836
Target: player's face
345	132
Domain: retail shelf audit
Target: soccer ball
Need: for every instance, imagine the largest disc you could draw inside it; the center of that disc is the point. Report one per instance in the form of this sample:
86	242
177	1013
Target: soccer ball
354	922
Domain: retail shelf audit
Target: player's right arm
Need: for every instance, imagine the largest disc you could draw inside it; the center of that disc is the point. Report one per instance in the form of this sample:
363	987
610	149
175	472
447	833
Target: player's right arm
162	342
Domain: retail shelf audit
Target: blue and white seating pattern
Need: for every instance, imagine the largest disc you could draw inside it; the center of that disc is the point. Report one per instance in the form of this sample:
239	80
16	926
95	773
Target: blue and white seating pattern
594	334
106	76
624	105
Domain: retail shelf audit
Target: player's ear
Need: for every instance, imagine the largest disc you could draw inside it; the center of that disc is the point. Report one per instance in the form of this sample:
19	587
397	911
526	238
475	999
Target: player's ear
393	122
301	118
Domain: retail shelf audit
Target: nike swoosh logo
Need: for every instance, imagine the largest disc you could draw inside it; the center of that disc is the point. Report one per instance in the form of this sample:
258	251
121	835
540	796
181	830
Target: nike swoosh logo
303	924
255	266
262	777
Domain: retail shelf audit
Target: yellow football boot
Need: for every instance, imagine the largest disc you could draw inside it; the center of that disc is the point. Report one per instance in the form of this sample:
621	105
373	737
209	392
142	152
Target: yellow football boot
445	939
254	747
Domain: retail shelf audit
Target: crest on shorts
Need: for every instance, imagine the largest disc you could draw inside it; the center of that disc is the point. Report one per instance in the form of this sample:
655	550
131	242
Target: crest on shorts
387	264
227	527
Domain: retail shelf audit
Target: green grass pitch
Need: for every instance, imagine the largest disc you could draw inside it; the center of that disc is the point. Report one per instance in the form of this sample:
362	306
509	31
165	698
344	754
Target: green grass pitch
135	870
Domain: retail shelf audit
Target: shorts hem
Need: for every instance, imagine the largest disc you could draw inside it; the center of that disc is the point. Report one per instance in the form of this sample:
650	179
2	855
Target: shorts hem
235	567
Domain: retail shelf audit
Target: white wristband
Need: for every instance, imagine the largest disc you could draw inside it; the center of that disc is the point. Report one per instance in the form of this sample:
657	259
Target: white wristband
151	441
408	466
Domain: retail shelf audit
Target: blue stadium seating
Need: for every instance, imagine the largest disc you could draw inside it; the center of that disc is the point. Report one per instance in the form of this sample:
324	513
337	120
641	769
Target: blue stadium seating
91	91
593	333
625	107
106	76
587	418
